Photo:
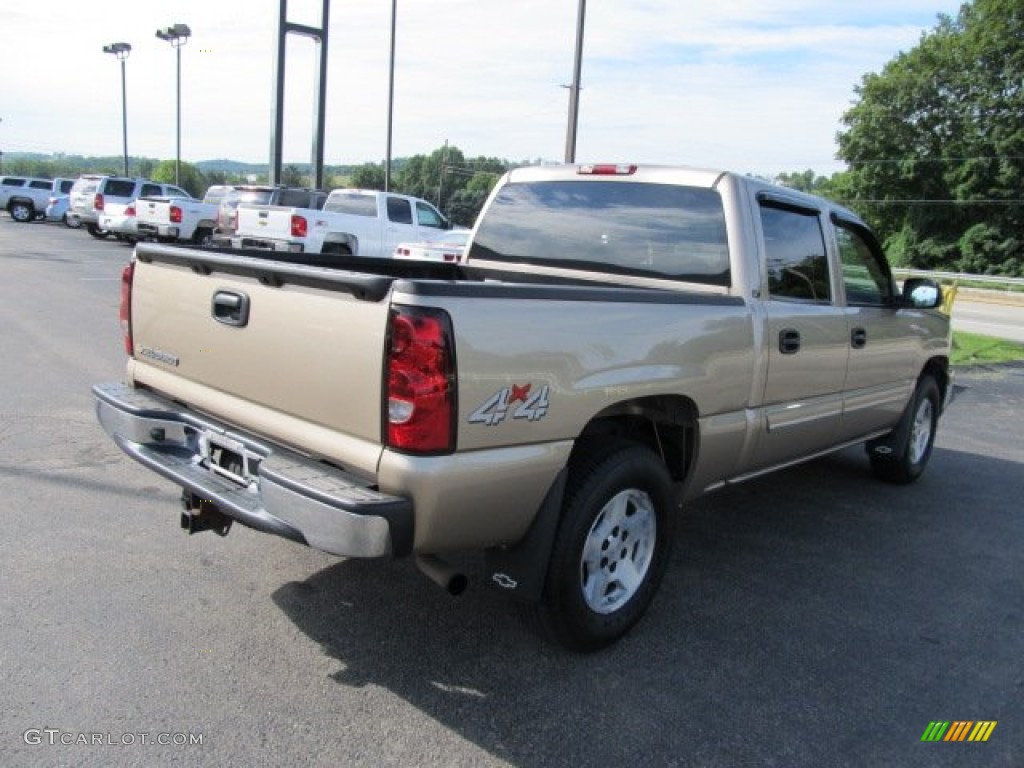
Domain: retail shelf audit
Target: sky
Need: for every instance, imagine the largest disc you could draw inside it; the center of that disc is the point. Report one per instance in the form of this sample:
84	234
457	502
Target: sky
754	86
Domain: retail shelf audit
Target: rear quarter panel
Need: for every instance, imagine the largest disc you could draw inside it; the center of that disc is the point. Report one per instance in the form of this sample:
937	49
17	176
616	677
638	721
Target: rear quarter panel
591	355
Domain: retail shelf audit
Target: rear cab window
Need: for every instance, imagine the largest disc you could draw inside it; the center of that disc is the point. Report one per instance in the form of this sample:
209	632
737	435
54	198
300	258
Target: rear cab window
352	203
664	231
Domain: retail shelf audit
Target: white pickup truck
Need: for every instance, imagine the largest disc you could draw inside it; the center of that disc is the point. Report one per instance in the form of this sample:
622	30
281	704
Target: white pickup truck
355	222
171	219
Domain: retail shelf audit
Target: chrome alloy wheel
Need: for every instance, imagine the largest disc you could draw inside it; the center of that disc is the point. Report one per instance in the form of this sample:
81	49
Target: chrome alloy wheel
921	431
618	551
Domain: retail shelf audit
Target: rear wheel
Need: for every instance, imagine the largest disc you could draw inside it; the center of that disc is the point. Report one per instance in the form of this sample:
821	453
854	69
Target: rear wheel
21	211
611	548
203	236
72	222
96	232
902	456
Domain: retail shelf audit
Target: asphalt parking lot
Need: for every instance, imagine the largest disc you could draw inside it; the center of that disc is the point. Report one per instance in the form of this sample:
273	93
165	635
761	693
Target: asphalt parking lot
811	618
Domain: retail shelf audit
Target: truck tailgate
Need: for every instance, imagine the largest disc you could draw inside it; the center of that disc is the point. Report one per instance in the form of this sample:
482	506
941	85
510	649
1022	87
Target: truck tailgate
284	349
259	221
153	211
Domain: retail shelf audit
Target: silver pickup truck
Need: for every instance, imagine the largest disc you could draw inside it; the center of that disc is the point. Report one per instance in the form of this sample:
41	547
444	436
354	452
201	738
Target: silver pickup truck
620	339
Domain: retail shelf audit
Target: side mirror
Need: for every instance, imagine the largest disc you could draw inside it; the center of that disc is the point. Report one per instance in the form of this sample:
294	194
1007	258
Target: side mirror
921	293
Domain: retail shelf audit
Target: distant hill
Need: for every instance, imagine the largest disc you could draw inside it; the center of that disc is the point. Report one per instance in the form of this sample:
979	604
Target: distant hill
233	166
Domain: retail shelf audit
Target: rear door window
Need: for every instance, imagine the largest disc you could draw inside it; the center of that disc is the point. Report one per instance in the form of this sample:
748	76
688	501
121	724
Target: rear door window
399	210
352	203
795	253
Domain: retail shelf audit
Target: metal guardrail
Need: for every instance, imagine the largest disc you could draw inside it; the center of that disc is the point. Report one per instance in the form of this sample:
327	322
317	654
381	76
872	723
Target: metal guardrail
961	277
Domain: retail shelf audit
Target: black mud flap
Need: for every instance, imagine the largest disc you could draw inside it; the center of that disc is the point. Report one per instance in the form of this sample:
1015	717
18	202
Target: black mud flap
519	570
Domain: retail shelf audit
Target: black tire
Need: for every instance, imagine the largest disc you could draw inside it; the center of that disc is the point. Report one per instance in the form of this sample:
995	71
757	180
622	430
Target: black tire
72	223
902	456
95	231
203	236
611	548
21	211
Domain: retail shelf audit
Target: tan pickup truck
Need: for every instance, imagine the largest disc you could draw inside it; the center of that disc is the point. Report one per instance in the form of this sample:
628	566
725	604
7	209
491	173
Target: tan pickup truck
618	340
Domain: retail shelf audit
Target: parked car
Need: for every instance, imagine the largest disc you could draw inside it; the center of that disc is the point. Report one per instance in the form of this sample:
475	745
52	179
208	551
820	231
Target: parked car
26	198
91	194
447	246
57	210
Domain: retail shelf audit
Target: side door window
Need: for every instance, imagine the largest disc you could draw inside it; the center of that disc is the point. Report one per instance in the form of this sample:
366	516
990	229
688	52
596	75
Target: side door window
427	216
867	279
151	190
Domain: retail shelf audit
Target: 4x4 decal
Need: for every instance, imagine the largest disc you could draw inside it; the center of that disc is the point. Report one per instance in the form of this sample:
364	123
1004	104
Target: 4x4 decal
533	407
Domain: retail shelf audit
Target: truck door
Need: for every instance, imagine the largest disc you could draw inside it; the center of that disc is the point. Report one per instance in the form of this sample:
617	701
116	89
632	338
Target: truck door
806	338
881	373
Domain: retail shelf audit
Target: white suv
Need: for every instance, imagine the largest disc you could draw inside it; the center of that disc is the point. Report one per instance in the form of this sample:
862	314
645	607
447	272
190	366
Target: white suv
91	194
25	198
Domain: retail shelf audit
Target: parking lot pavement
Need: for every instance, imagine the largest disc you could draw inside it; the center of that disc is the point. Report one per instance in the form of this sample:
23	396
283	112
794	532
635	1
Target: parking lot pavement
811	618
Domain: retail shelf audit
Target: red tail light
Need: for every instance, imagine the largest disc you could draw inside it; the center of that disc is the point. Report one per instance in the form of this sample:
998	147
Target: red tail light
129	211
97	202
299	226
420	381
175	214
125	314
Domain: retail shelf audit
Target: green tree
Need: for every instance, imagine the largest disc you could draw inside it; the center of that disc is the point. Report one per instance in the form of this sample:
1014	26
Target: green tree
368	176
291	176
935	143
192	179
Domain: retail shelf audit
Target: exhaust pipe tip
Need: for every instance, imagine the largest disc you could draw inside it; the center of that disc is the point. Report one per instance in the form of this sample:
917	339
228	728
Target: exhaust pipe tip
450	579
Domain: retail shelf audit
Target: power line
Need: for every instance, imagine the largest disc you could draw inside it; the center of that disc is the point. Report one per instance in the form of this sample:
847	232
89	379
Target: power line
934	202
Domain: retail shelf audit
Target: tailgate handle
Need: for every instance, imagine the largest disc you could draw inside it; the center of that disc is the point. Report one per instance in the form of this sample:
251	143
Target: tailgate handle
231	308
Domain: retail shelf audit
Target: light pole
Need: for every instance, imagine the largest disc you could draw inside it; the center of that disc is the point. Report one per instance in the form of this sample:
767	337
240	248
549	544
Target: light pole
177	36
121	51
391	97
574	89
